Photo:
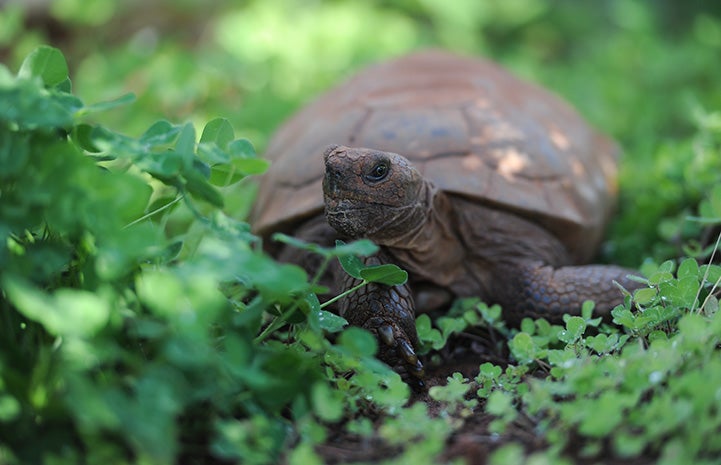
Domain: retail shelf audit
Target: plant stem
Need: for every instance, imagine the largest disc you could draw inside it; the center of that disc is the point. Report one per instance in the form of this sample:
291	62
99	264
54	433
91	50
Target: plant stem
157	210
352	289
705	276
275	324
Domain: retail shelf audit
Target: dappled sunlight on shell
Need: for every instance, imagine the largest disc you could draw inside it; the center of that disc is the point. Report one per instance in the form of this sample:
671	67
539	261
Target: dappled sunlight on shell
558	138
512	162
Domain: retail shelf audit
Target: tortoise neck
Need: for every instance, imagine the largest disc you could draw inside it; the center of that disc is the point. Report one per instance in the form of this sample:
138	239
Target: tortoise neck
431	225
434	251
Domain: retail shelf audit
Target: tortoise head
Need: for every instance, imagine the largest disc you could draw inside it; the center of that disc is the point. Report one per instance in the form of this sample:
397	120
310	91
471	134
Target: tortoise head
373	194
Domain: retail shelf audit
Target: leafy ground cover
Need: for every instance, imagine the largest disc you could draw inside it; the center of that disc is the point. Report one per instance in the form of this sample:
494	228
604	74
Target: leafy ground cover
142	323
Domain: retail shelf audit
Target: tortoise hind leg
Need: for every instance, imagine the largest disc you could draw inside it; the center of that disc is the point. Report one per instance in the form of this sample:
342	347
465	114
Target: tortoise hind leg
536	290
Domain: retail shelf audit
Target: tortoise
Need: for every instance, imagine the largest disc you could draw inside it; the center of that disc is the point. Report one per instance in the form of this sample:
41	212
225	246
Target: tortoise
474	181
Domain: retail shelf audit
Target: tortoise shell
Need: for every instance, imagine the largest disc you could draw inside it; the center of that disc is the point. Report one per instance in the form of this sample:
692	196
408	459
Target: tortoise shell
466	124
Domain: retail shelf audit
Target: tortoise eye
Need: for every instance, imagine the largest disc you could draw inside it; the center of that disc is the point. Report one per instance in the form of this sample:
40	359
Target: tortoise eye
378	172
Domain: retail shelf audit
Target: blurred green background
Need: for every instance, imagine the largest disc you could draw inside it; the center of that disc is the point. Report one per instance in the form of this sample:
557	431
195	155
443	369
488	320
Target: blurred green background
647	72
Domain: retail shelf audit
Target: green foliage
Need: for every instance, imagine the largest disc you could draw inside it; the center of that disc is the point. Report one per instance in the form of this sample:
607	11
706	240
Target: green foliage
139	321
141	324
625	391
464	313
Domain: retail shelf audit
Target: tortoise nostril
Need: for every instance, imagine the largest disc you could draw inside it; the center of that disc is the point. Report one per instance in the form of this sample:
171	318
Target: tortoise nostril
329	151
333	177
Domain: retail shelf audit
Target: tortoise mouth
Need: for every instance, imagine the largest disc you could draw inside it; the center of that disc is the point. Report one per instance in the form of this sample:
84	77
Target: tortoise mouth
346	217
350	201
378	222
358	218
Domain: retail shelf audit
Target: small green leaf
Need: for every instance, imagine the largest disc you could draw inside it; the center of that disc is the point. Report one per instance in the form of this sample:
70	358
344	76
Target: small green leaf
695	330
711	306
454	391
249	166
348	256
47	63
109	104
626	444
427	333
528	325
160	133
388	274
451	325
185	145
65	86
9	408
603	415
202	168
362	247
67	312
14	154
362	426
213	155
710	208
688	268
488	370
304	454
655	315
82	136
275	281
712	272
523	348
327	402
199	187
297	243
681	292
29	106
229	172
603	343
331	322
490	314
352	265
241	148
575	327
667	267
507	454
358	342
219	131
562	358
500	404
645	296
162	165
392	392
322	320
587	309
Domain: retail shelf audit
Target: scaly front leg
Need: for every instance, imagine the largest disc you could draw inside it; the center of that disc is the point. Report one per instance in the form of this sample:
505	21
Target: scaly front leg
388	312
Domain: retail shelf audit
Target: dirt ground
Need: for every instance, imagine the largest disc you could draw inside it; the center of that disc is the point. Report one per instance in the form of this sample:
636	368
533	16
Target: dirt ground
473	441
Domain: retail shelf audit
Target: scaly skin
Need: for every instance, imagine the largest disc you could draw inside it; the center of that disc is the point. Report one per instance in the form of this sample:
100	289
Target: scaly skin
389	313
461	247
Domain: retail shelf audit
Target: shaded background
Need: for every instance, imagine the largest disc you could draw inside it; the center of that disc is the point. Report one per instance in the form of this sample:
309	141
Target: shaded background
648	73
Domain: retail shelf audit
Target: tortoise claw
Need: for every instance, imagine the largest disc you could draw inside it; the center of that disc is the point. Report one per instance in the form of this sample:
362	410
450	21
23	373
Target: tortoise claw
385	333
419	371
409	355
395	348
